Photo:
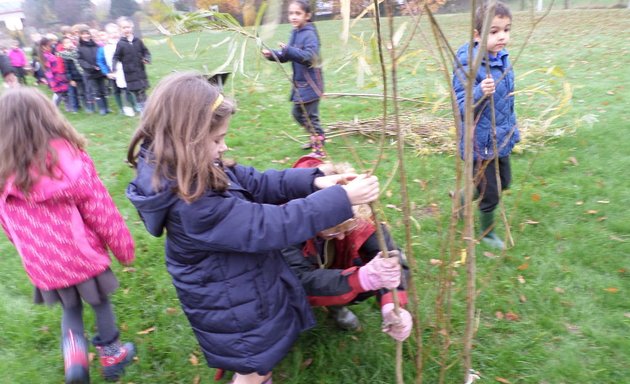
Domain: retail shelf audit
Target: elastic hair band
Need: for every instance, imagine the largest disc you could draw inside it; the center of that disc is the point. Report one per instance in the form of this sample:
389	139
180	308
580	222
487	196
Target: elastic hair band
216	103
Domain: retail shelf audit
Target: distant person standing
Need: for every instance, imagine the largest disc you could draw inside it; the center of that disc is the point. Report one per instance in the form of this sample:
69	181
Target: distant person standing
19	62
8	73
134	55
116	75
302	51
96	89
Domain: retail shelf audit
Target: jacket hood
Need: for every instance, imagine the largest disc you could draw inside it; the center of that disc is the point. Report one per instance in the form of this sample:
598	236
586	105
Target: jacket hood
152	205
69	168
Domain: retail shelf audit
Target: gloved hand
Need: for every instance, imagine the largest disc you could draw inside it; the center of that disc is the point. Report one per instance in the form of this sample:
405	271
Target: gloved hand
381	272
397	326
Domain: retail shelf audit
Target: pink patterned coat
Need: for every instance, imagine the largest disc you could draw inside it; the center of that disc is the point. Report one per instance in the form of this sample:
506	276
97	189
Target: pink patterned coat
63	229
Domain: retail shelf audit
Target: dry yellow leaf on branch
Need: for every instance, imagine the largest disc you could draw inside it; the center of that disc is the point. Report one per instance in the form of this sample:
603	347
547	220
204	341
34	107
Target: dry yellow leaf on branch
193	359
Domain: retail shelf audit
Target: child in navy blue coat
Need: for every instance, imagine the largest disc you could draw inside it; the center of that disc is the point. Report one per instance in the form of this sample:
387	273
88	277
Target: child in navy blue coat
494	79
226	224
302	51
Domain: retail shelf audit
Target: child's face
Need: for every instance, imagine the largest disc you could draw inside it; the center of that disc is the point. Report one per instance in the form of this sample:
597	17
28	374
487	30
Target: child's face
217	141
114	35
499	34
126	29
85	36
297	17
68	45
102	36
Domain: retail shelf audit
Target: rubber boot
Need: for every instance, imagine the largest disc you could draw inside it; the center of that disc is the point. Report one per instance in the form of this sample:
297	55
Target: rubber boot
89	107
119	103
75	358
490	238
345	318
102	106
114	357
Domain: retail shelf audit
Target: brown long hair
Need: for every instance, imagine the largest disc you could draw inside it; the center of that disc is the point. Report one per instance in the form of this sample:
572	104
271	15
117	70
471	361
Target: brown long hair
176	125
28	122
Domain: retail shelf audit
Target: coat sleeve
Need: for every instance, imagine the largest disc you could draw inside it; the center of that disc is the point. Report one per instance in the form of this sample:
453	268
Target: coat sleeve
308	54
277	186
323	286
100	213
100	60
146	55
231	223
117	55
459	84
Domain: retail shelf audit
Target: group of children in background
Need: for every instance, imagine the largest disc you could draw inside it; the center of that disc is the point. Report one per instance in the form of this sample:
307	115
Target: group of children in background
85	66
245	248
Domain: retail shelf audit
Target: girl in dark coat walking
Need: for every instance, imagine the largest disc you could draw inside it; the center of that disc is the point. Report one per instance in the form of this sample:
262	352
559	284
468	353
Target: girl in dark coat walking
302	51
226	224
133	55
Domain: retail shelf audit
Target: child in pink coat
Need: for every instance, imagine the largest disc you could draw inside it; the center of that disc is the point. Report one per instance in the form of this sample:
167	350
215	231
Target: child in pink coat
62	221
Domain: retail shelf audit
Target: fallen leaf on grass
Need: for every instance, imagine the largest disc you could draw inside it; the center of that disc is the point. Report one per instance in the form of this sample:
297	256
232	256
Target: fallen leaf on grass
627	314
129	269
197	379
502	380
573	161
392	206
523	267
531	222
306	363
572	328
579	203
535	197
559	290
511	316
521	279
499	315
193	359
522	298
603	201
146	331
610	92
602	218
490	255
611	290
172	311
435	262
591	212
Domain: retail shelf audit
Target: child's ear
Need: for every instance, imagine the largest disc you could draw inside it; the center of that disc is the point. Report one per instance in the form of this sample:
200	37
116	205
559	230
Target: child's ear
476	35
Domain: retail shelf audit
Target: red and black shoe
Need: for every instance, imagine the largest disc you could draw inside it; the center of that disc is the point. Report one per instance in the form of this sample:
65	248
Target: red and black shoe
75	359
114	357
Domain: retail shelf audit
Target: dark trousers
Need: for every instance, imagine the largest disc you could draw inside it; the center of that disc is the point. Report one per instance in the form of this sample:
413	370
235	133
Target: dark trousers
77	95
307	115
486	181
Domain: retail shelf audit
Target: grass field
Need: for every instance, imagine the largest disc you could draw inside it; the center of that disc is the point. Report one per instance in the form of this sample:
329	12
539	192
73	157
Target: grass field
564	285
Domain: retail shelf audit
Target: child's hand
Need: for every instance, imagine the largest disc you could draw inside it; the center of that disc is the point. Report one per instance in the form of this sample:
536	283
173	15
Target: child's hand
487	86
398	326
282	45
330	180
362	190
266	52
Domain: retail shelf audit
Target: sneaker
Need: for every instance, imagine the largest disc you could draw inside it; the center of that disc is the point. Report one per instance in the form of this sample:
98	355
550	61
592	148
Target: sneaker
113	366
345	318
75	358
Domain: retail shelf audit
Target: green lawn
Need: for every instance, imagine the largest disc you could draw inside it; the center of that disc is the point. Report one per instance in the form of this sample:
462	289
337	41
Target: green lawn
553	309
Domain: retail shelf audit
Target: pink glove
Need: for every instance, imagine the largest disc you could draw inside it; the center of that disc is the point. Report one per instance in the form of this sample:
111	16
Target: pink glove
397	326
381	272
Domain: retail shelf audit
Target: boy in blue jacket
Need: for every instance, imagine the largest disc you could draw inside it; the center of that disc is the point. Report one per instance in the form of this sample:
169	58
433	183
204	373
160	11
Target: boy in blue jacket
493	140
